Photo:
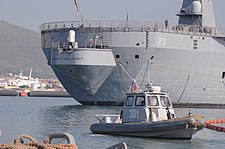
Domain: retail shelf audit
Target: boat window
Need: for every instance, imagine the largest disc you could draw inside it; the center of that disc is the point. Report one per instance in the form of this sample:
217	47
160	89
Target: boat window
165	101
153	101
140	101
129	101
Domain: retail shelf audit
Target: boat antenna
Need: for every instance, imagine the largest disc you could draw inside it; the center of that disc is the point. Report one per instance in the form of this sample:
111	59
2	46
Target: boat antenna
127	17
30	73
148	71
79	11
149	83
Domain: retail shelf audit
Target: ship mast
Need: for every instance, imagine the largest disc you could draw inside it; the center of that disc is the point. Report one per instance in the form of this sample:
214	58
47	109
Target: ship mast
79	11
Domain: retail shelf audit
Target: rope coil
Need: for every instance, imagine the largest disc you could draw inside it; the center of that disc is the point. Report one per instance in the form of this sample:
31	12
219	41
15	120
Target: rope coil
18	143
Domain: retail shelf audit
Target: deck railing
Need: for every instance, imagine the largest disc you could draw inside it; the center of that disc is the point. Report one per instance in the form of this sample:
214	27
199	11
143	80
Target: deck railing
127	26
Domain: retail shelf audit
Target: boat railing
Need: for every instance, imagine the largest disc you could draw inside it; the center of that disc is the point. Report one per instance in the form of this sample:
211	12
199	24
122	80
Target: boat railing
129	26
108	118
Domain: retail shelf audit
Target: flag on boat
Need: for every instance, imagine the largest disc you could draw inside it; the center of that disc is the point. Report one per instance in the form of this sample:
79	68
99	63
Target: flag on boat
77	5
133	86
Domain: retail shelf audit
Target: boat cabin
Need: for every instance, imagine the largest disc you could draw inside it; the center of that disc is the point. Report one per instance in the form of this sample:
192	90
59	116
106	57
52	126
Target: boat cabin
148	106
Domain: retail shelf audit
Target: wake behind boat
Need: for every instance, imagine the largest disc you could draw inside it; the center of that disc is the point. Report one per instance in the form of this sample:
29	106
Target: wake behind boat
149	114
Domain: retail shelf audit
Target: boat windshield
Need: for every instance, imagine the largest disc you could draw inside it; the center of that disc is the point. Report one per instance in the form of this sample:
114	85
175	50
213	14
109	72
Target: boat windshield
153	101
165	101
140	101
130	100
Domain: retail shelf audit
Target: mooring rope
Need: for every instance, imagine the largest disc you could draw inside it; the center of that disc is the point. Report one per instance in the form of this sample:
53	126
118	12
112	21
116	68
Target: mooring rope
125	71
182	93
24	136
18	143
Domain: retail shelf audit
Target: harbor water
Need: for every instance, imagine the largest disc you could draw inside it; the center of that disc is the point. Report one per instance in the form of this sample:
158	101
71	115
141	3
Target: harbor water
37	117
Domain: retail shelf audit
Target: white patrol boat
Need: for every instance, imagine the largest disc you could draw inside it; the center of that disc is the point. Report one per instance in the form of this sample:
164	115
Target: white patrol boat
149	114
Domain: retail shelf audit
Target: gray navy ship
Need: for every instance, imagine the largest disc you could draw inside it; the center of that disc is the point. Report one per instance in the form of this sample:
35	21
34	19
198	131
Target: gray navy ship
97	60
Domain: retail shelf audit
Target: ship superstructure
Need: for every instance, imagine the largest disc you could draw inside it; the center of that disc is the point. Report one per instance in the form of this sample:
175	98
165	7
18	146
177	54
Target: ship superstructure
96	60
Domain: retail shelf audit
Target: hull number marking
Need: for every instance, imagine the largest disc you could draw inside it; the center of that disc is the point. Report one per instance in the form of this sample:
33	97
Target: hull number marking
133	114
162	41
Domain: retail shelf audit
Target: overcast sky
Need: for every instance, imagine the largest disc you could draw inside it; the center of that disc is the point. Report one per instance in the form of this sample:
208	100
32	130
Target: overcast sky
32	13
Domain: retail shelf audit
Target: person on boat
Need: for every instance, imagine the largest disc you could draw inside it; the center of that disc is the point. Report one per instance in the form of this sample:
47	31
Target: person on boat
152	101
121	115
169	114
152	115
166	23
165	101
190	113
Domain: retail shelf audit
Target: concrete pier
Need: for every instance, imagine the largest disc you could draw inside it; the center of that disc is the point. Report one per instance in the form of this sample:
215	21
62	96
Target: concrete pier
8	93
199	105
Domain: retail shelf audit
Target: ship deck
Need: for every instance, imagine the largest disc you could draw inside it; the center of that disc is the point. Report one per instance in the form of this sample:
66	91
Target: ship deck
133	26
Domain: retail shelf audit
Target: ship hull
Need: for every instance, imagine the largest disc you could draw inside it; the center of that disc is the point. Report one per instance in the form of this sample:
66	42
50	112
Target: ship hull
189	65
187	81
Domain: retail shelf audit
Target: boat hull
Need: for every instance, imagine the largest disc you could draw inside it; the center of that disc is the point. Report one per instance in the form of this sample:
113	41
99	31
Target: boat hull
179	128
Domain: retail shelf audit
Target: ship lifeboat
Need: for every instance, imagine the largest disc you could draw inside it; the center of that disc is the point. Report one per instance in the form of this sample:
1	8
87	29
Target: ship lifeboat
22	94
